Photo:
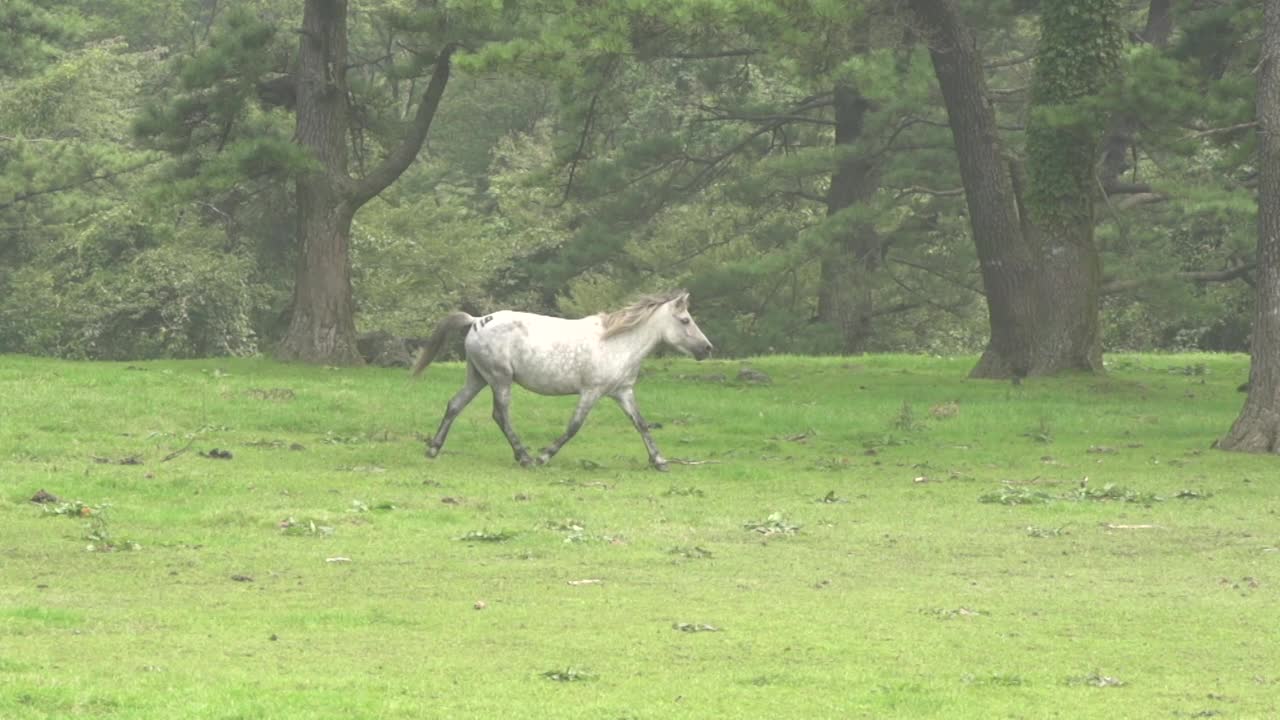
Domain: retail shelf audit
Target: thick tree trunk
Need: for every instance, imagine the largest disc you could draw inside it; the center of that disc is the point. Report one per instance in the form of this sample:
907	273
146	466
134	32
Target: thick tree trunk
1063	134
1040	267
322	326
844	295
1258	427
1009	273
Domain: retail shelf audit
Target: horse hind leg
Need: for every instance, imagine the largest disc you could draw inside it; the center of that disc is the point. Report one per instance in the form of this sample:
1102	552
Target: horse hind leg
502	416
474	384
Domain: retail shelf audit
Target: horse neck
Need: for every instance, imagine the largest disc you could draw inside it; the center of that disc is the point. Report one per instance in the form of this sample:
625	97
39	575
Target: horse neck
635	344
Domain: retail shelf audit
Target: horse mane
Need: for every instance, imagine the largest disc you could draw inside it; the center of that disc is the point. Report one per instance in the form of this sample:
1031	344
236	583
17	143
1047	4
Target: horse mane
620	321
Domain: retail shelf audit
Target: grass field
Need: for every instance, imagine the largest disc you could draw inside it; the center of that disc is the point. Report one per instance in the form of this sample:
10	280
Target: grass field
859	538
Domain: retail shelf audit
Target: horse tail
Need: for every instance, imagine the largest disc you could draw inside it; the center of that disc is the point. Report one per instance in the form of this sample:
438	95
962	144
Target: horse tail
452	321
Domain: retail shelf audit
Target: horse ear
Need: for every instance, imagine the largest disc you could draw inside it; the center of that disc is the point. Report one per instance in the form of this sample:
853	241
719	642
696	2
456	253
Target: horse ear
681	302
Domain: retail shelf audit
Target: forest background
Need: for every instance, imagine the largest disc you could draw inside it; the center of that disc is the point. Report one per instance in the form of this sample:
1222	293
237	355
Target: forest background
175	175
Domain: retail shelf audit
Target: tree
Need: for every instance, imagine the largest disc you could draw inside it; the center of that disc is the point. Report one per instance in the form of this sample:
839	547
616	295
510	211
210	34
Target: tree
1257	429
322	325
1034	236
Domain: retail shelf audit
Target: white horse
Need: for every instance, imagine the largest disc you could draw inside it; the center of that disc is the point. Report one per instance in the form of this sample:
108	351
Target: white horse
592	357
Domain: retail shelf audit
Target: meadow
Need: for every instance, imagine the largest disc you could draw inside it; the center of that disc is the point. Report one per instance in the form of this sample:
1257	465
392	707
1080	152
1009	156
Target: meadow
873	537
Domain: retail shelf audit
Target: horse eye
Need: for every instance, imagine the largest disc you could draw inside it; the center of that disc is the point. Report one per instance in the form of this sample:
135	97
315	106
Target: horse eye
684	321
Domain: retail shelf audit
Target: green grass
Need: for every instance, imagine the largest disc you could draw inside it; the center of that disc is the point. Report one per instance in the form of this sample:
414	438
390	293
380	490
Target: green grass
870	537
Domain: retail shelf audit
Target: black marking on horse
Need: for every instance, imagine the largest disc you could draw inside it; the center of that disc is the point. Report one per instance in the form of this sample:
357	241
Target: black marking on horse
482	322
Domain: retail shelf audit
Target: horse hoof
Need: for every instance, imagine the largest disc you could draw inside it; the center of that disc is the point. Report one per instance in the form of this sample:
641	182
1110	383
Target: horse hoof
525	461
432	452
660	466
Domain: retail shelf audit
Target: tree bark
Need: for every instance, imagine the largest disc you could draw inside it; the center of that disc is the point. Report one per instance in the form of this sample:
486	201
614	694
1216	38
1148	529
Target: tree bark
844	294
322	324
1257	429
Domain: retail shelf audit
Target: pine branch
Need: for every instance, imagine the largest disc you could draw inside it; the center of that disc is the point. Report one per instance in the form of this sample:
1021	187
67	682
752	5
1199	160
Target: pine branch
1199	276
23	197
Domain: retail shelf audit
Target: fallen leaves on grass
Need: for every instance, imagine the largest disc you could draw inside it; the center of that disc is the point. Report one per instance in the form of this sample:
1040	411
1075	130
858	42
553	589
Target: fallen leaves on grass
1096	679
775	524
126	460
695	627
952	613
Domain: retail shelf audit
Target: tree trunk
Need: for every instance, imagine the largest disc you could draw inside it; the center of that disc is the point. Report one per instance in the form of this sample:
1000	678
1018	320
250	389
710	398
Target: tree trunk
1008	269
1258	427
844	293
1063	133
1040	268
322	326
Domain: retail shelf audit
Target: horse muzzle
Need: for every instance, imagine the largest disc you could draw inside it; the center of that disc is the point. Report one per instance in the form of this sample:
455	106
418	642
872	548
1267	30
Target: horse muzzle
703	353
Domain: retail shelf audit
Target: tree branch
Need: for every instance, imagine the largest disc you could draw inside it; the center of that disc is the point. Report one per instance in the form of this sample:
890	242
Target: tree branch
361	191
745	52
23	197
1114	287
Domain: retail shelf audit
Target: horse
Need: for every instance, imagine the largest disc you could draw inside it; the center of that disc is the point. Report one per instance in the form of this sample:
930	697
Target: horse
592	357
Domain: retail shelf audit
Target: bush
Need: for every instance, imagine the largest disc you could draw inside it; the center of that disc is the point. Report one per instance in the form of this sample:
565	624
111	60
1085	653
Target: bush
128	290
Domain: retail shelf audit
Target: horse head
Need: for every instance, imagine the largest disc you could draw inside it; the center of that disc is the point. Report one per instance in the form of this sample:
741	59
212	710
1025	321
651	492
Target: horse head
680	331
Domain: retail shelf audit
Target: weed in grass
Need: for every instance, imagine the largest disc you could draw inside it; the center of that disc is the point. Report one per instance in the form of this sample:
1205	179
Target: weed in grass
1192	495
1042	432
775	524
1111	492
1015	495
1096	679
994	680
906	419
306	527
837	464
486	536
97	528
569	675
693	553
944	410
276	394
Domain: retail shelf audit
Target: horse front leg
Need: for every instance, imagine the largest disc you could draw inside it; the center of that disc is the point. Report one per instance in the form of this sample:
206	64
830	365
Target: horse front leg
627	401
502	416
586	401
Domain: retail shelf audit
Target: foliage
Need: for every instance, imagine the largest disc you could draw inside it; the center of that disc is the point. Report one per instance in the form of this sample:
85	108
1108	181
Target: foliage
585	153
